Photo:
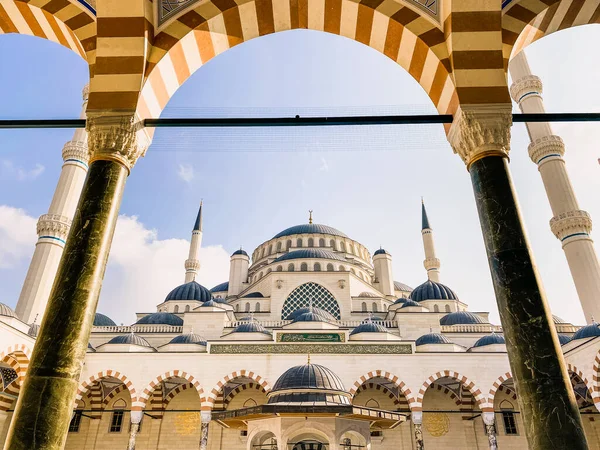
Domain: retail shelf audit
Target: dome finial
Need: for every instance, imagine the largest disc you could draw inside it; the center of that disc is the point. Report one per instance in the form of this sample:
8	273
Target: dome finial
308	359
310	220
36	316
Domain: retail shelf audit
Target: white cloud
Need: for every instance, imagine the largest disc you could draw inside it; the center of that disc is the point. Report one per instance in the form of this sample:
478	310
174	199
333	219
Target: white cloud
186	172
17	235
9	169
324	166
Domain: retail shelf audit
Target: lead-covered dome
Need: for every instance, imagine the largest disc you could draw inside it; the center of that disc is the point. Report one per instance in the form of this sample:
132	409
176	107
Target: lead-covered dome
34	330
380	252
239	252
189	291
310	253
591	330
563	339
432	338
409	303
221	287
100	320
297	313
369	327
491	339
130	339
431	290
161	318
309	228
188	338
461	318
251	327
6	311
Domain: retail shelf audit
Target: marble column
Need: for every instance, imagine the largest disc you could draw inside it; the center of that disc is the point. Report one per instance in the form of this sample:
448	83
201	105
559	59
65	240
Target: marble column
205	418
490	429
45	404
136	419
481	136
417	420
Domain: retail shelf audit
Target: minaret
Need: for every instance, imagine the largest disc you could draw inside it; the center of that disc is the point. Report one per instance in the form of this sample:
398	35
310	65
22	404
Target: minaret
238	272
192	264
570	224
53	228
431	263
382	263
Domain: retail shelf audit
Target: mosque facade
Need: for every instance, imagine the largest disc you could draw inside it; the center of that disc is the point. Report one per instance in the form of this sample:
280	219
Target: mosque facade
309	345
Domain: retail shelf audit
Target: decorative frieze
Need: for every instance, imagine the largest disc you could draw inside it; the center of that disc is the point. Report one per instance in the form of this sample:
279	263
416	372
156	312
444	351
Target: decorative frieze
571	224
546	148
431	263
76	150
192	265
311	337
523	87
53	225
333	349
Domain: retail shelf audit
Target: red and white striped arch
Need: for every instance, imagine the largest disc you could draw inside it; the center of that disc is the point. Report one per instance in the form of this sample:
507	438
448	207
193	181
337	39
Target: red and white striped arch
481	399
214	393
388	376
85	386
501	379
145	394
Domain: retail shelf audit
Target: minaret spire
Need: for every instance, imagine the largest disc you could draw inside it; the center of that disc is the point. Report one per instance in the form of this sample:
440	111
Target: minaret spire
310	211
431	263
192	264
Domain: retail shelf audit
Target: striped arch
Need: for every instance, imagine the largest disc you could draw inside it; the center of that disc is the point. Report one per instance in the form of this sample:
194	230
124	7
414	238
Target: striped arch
574	370
95	400
61	21
86	385
496	386
237	390
596	380
206	31
215	392
367	386
481	399
388	376
145	395
17	356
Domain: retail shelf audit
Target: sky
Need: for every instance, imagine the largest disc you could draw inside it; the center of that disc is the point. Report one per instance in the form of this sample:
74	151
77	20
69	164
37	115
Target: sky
365	181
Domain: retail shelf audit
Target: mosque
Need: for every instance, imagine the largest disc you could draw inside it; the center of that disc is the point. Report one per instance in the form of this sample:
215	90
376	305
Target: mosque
309	345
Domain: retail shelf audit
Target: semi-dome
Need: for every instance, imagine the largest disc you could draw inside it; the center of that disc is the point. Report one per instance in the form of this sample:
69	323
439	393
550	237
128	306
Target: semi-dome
312	315
490	339
400	301
591	330
432	338
100	320
251	327
461	318
310	253
7	311
221	287
309	228
130	339
218	300
314	309
189	291
399	286
212	302
557	319
161	318
239	252
369	327
188	338
408	303
431	290
254	295
380	252
34	330
368	294
563	339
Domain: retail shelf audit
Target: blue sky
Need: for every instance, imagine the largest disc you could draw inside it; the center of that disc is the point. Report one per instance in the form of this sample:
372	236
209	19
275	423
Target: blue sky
366	182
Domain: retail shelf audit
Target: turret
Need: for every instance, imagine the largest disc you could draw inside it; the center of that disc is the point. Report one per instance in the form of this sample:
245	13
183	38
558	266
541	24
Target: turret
192	264
382	261
431	263
238	272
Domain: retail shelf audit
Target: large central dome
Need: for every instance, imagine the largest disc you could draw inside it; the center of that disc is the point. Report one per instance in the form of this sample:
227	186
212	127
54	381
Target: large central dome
309	228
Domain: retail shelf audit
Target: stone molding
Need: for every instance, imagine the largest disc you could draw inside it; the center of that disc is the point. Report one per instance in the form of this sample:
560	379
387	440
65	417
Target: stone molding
116	138
546	148
192	264
526	85
417	417
85	92
571	223
481	131
206	416
431	263
53	225
76	150
136	416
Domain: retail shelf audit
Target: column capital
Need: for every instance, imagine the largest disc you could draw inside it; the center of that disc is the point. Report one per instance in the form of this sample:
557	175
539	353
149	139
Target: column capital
481	130
488	417
136	416
117	138
571	225
53	226
205	416
546	148
526	86
85	92
417	417
76	151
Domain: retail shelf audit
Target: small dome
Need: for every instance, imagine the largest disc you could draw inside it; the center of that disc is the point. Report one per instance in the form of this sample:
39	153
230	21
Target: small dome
239	252
190	291
490	339
309	228
130	339
430	290
100	320
369	327
189	338
368	294
461	318
6	311
311	316
591	330
398	286
557	319
316	310
221	287
309	376
381	252
34	330
90	347
310	253
161	318
212	302
251	327
432	338
400	301
219	300
563	339
254	295
408	303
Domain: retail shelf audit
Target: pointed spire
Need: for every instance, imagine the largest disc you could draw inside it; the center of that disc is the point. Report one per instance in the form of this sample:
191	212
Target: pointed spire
308	362
424	218
198	224
310	211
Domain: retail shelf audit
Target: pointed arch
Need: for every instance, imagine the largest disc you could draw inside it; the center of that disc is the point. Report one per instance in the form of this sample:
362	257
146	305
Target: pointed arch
145	394
496	385
215	392
84	386
575	372
388	376
309	292
481	399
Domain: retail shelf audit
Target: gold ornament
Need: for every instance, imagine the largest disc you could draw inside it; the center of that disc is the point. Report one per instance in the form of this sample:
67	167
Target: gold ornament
187	423
436	424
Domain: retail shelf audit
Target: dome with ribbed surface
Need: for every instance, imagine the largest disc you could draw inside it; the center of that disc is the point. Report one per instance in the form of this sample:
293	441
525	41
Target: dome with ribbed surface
6	311
589	331
239	252
380	252
309	228
399	286
100	320
369	327
189	338
431	290
219	300
557	319
221	287
432	338
212	302
461	318
251	327
316	310
563	339
254	295
409	303
190	291
161	318
34	330
490	339
311	316
368	294
400	301
130	339
310	253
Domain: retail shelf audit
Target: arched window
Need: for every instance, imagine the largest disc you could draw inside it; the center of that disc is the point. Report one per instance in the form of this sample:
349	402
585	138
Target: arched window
249	403
278	247
237	307
279	268
187	308
330	267
311	242
360	274
447	308
257	307
260	275
508	418
247	307
307	293
303	267
116	421
176	308
342	246
372	403
342	268
332	244
270	249
269	270
263	252
352	270
436	308
288	244
374	307
298	242
321	242
364	306
317	267
291	268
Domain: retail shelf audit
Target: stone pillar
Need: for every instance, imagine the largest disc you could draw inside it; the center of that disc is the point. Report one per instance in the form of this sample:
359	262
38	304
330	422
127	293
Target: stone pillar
570	224
44	407
417	420
53	228
481	136
136	419
490	429
205	417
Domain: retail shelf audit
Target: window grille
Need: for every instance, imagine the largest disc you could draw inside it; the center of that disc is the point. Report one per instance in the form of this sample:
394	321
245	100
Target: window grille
510	424
308	293
116	423
75	422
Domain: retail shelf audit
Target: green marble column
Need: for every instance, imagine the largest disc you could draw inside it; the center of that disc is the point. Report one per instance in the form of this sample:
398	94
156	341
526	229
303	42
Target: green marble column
547	402
45	404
